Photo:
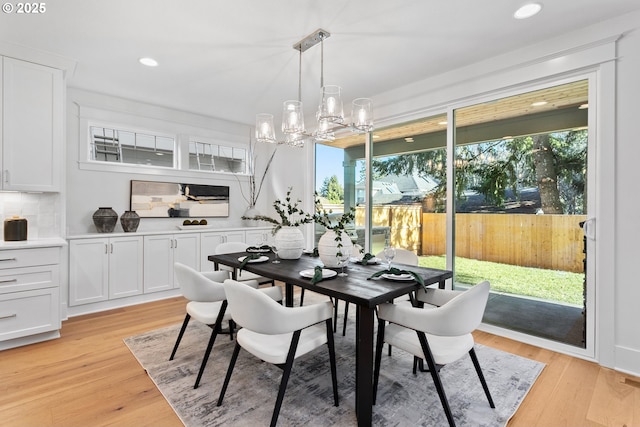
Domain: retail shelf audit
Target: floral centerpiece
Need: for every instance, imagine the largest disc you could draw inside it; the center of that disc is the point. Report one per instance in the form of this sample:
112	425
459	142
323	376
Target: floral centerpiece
289	240
335	240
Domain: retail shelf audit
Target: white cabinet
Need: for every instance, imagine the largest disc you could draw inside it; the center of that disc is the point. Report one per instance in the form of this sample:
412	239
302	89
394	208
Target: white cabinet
29	293
104	268
161	251
259	237
210	240
31	132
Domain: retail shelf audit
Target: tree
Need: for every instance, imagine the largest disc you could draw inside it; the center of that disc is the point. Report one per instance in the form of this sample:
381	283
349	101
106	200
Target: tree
332	190
552	162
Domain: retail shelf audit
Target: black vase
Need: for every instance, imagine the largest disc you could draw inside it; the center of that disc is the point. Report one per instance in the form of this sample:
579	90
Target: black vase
105	220
130	221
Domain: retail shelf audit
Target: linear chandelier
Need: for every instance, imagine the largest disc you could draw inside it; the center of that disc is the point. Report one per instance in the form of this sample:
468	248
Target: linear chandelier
330	114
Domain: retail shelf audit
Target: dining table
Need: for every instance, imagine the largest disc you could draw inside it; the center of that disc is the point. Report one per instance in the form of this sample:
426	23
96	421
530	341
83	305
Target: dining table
356	287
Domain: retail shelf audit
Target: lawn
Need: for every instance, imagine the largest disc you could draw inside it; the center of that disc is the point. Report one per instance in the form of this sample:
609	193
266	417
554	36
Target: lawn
550	285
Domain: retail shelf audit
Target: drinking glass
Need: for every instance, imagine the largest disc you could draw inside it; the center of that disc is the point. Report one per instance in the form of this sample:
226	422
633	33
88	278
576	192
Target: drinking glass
274	248
343	260
389	254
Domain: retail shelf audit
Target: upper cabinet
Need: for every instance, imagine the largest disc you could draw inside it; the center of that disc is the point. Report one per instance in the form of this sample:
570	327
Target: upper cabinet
31	126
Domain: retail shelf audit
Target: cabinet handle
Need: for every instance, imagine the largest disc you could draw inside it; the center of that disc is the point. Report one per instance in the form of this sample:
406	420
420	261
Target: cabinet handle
176	241
8	259
8	316
9	281
171	244
106	248
6	176
111	244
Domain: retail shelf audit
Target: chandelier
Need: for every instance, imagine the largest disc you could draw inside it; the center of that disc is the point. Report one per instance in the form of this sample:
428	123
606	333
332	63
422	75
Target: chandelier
330	115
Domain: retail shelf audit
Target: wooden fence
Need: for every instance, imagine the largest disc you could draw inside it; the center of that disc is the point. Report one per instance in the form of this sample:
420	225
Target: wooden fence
543	241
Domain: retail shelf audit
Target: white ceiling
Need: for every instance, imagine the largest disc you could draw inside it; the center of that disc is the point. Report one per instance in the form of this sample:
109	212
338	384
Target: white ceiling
232	59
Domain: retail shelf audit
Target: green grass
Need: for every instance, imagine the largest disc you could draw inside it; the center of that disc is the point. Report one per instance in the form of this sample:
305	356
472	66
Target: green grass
561	286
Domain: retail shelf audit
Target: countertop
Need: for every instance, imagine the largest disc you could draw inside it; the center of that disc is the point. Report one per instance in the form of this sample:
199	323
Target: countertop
33	243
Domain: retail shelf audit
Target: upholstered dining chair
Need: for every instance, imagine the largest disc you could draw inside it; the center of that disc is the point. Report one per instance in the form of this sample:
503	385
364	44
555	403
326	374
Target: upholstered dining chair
439	335
403	256
278	334
207	304
231	247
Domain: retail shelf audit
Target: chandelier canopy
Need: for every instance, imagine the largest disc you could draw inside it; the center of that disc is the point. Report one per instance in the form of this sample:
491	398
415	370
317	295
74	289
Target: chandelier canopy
330	114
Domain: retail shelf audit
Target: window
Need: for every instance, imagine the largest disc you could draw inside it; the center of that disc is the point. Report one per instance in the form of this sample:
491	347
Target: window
204	156
123	146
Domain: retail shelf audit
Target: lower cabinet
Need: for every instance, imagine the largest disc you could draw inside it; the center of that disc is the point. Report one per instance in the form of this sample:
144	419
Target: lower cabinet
161	251
29	295
209	241
104	268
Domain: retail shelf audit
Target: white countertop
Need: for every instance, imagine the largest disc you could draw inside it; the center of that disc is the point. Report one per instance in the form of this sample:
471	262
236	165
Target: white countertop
33	243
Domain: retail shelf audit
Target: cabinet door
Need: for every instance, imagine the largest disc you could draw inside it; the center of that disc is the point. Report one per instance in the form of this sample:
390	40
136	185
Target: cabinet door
88	271
31	126
125	266
259	237
208	244
186	250
158	263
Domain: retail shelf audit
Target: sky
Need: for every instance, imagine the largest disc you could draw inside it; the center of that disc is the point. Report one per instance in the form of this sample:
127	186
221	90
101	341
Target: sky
328	163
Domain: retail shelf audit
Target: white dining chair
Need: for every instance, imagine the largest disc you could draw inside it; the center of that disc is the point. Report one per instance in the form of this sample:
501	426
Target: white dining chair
207	304
242	275
439	335
278	334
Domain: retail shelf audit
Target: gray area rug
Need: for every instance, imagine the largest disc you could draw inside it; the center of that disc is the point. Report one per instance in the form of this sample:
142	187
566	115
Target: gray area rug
403	399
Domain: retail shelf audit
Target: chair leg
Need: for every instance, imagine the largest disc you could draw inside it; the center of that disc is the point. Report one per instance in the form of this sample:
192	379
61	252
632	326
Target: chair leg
335	312
376	369
332	361
285	376
184	327
212	340
476	364
301	297
232	363
346	313
232	328
436	377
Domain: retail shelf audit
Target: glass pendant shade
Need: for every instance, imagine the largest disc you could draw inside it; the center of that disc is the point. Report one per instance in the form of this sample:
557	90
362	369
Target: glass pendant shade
361	114
292	117
324	132
330	108
265	131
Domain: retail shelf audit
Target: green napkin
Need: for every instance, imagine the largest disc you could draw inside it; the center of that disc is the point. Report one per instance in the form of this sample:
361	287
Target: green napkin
317	274
397	272
247	259
365	258
261	248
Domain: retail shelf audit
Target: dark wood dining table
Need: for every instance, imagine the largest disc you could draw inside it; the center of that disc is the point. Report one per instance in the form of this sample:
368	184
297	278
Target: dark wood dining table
355	288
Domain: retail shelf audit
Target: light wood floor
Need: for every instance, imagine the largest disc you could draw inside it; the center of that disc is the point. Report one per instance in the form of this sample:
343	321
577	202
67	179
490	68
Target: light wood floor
88	377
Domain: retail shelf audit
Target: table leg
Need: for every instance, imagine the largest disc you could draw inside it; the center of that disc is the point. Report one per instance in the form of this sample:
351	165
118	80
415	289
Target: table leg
288	295
364	365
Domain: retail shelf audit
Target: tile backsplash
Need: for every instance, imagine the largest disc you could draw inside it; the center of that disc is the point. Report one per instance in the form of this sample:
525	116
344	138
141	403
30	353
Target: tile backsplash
42	211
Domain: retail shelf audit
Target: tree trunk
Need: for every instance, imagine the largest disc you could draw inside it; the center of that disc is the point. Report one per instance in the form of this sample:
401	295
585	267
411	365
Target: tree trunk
546	175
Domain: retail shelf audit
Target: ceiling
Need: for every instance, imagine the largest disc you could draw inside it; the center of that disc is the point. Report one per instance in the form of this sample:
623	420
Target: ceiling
234	59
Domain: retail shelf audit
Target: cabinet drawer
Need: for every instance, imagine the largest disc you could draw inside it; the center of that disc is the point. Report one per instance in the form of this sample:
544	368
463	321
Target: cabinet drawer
13	258
29	313
28	278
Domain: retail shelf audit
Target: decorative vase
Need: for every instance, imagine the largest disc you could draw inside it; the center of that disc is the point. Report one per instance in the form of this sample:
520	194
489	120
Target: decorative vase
130	221
328	247
290	242
105	220
250	212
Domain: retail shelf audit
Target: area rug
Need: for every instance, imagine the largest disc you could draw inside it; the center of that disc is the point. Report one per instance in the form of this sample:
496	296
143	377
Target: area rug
403	399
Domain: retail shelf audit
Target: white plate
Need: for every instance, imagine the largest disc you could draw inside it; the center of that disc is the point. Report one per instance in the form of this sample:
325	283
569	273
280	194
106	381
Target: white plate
358	260
261	259
326	273
400	277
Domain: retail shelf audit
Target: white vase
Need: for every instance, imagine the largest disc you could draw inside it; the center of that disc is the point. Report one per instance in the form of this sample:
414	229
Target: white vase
290	242
328	247
251	212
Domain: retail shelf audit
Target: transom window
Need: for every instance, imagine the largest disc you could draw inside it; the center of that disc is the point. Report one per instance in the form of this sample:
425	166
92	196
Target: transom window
123	146
219	158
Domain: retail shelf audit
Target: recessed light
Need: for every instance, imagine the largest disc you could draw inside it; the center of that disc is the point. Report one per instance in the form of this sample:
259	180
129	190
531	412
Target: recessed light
408	139
149	62
527	11
539	103
583	106
442	123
